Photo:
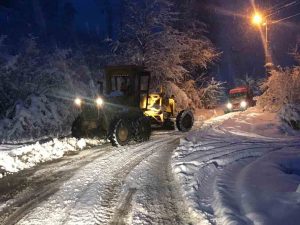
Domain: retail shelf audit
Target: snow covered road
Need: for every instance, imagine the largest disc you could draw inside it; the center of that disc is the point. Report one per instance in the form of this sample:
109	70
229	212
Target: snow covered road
237	169
115	186
244	171
22	191
157	199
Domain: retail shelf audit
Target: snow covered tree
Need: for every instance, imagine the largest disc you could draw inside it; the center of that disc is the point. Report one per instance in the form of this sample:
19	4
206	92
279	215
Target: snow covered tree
281	93
251	82
151	38
37	90
212	93
282	87
29	70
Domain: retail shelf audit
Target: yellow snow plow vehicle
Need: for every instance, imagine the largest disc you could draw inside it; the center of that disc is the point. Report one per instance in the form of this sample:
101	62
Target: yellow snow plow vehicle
125	110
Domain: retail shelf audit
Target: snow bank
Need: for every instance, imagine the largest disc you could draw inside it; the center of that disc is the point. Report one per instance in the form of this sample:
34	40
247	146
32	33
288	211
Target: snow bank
21	158
257	123
36	118
269	186
243	168
290	115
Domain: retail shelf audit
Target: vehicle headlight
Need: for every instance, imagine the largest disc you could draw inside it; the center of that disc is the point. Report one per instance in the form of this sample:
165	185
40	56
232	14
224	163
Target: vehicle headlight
229	105
99	102
77	101
243	104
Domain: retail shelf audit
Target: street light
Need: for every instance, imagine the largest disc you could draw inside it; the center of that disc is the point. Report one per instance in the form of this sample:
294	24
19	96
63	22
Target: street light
259	19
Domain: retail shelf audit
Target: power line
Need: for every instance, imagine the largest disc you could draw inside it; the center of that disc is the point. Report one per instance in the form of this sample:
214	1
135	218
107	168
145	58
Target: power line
294	3
289	17
277	5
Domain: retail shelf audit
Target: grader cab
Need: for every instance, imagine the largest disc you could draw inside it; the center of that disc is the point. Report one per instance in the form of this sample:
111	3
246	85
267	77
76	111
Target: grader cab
124	110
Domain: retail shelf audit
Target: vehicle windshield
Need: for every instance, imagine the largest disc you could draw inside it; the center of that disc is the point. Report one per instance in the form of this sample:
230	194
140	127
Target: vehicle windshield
237	95
120	83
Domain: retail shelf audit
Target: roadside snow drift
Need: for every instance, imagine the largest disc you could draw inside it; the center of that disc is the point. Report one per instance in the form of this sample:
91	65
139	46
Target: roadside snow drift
243	169
36	118
14	160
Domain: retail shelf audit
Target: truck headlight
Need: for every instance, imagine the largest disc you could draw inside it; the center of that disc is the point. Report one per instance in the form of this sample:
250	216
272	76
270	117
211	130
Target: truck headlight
99	102
244	104
78	102
229	105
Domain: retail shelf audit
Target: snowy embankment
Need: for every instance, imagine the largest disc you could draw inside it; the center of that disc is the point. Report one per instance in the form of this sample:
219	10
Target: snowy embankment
37	118
23	157
243	169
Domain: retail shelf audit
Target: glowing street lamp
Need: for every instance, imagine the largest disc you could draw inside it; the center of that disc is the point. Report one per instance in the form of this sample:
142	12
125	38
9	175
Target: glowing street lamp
257	19
260	19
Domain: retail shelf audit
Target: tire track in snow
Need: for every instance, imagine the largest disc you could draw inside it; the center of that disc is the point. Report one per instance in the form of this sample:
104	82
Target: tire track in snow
37	184
91	195
157	199
110	200
125	206
205	170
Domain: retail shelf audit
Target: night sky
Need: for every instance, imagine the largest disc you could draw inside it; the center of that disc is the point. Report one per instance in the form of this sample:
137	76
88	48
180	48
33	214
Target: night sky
91	17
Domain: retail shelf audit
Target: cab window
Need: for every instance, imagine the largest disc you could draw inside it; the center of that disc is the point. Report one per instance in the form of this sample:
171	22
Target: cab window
237	95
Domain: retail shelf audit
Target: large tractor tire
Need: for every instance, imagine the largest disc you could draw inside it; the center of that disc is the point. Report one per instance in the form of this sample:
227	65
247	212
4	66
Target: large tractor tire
142	129
76	129
120	133
168	125
185	120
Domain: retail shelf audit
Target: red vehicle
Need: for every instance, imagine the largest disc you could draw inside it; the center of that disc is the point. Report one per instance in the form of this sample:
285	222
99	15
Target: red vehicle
240	98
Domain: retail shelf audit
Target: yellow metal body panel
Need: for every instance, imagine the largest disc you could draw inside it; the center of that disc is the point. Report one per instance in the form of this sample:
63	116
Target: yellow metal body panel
159	108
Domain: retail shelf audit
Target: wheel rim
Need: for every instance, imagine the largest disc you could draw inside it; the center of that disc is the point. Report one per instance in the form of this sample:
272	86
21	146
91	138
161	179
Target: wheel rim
123	133
187	122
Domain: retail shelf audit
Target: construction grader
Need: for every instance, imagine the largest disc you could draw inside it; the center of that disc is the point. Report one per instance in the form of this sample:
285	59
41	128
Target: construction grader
124	110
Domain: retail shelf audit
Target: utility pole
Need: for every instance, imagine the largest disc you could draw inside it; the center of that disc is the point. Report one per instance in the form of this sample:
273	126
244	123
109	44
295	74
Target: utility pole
260	19
269	61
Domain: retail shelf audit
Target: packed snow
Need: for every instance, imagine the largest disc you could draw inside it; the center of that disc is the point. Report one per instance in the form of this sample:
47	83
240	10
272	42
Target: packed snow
239	168
14	159
129	185
243	168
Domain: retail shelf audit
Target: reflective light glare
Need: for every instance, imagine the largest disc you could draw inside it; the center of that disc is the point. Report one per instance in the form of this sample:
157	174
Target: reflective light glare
257	19
229	105
99	101
78	101
243	104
